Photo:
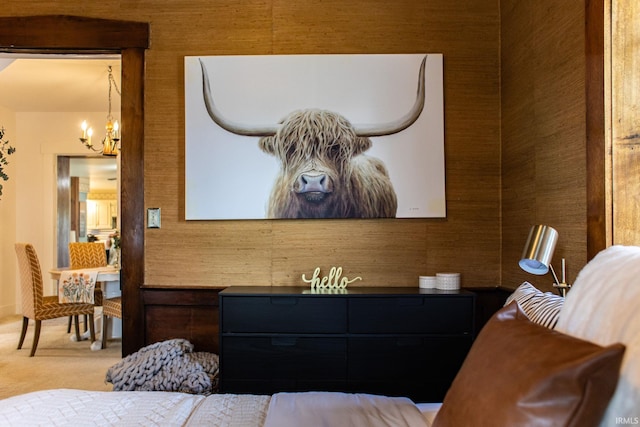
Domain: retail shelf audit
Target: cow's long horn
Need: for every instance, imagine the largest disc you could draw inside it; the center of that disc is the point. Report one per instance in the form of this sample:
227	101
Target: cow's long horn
228	125
403	122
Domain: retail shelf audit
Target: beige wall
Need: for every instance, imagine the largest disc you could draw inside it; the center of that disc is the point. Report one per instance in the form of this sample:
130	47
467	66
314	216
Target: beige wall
542	132
8	295
31	205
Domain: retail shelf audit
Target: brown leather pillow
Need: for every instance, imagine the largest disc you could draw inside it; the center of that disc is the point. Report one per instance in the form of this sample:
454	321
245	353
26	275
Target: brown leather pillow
518	373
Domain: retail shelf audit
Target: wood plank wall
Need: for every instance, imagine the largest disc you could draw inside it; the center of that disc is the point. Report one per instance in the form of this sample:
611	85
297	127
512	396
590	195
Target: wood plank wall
625	123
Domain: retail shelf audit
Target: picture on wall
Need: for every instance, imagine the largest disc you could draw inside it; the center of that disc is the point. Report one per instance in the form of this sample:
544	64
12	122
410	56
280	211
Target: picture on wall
314	136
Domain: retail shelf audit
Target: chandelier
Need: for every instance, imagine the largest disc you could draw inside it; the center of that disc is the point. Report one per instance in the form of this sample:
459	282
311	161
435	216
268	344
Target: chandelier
112	137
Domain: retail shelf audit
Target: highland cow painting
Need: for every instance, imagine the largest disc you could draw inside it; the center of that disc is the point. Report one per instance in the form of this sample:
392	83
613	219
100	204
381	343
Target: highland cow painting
314	136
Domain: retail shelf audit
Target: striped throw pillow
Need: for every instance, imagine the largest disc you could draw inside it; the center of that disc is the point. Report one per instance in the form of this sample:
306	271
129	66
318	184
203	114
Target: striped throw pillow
540	307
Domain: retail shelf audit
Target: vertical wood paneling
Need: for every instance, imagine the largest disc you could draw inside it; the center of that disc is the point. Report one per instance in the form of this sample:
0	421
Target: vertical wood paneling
625	74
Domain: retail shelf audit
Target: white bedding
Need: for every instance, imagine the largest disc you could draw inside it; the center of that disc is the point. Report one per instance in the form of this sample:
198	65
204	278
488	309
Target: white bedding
429	411
64	407
342	409
231	410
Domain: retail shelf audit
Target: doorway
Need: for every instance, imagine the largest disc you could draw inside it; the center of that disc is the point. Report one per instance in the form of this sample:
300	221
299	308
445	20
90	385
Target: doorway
50	95
78	35
89	189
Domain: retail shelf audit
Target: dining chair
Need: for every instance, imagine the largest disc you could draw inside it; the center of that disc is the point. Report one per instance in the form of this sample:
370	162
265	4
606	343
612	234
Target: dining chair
37	306
87	255
111	307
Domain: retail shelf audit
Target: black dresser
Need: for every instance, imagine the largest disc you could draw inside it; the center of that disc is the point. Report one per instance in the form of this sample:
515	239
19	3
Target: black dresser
383	340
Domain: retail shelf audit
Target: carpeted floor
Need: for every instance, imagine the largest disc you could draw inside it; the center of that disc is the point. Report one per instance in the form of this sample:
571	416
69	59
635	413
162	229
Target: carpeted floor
58	362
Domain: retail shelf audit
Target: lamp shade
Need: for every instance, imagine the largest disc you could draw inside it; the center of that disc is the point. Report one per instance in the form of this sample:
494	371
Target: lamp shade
538	250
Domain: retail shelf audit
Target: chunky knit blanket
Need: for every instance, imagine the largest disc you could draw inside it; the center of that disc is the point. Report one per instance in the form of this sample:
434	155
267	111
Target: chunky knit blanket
166	366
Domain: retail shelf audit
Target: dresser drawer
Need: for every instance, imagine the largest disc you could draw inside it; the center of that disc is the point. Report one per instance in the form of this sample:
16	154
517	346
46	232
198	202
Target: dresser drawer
385	340
283	358
420	367
284	314
394	358
411	315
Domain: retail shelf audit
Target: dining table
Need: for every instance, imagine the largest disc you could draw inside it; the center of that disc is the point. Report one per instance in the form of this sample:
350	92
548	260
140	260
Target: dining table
107	279
107	273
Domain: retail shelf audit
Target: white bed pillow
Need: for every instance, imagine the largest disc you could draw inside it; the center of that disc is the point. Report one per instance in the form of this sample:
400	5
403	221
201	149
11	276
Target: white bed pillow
602	307
540	307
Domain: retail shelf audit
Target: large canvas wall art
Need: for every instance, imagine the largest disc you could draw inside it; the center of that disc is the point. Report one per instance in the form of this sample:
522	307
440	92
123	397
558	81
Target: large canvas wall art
314	136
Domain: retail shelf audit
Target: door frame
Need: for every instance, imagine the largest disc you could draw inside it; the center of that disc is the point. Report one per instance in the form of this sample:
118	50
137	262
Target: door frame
73	35
597	218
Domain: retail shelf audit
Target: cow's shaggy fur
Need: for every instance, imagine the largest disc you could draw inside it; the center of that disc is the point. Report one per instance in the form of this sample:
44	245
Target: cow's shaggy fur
323	142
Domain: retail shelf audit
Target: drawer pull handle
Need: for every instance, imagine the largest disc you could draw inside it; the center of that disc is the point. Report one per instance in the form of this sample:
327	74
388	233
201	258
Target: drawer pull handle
284	341
284	301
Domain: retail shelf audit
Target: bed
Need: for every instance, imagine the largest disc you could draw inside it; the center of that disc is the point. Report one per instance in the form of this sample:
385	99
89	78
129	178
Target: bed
581	367
156	408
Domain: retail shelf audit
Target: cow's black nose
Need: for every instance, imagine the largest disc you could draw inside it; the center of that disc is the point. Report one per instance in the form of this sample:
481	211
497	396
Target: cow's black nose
313	183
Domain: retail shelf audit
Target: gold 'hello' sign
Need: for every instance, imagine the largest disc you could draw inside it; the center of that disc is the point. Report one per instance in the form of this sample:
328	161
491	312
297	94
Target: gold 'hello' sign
333	281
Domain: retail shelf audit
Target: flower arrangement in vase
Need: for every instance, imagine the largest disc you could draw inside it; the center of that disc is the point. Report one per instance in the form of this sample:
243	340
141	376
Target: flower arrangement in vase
114	250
